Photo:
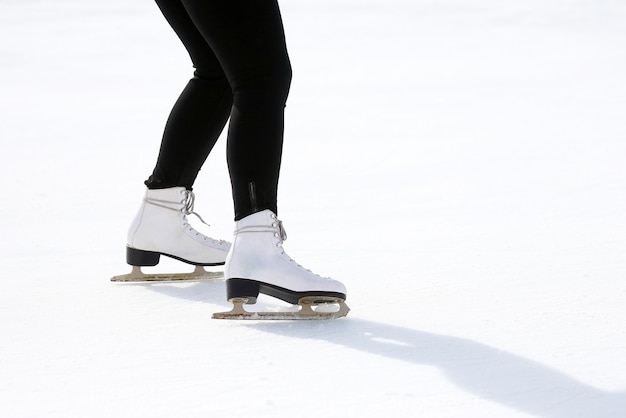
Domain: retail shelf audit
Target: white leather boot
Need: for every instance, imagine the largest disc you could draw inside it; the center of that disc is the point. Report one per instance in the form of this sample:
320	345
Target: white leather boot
257	263
161	228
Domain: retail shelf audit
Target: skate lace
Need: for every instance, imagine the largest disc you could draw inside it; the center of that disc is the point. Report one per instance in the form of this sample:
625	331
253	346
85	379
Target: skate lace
281	234
189	199
188	203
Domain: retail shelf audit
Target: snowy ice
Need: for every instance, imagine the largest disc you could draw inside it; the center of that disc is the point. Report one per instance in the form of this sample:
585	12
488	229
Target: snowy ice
459	165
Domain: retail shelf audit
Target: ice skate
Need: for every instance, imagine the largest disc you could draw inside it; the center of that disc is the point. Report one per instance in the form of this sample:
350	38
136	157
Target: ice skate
257	263
161	228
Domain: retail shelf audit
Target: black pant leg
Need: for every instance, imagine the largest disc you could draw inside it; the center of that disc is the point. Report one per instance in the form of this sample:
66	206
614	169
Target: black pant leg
247	39
200	113
247	36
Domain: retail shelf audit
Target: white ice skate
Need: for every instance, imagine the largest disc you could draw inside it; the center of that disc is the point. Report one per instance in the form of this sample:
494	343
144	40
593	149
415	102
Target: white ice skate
161	228
257	264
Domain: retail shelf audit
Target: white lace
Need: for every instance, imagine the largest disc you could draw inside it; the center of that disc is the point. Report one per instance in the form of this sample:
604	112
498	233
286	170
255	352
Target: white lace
189	199
282	236
188	203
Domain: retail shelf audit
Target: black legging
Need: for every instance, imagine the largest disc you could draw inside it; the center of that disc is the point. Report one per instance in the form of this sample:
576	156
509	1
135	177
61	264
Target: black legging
243	71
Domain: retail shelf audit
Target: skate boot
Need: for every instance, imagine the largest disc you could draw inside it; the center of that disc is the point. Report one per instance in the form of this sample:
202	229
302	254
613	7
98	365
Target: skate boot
161	228
257	263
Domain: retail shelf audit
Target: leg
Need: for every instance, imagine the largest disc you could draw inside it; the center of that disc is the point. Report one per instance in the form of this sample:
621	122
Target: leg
199	115
248	39
196	121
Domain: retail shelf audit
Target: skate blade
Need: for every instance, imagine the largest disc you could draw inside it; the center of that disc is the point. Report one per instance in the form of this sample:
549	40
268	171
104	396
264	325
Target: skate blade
306	311
136	275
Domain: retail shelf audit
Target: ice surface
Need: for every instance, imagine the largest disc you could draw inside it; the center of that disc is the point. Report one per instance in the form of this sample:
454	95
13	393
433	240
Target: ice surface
459	165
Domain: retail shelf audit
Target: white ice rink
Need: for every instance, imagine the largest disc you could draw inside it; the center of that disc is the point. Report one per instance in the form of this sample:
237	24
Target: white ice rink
459	165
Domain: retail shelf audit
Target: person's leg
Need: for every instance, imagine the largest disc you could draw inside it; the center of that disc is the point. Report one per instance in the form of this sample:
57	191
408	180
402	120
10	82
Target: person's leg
200	114
248	39
195	123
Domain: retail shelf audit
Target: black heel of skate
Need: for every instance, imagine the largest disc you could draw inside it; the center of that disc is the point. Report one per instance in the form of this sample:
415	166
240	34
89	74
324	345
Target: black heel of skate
136	257
242	289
